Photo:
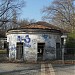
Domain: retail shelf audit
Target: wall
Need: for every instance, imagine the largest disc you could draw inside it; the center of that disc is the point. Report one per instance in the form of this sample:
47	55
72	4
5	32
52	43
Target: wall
30	45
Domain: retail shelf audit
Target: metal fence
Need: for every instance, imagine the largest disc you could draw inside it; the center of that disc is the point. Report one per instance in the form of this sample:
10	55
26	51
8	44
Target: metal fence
69	54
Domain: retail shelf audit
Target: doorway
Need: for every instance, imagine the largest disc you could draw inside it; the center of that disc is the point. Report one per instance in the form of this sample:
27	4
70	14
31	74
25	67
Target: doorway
19	51
58	51
40	51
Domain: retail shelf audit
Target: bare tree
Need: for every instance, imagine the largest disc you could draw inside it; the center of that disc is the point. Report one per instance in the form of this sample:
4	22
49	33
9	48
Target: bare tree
6	9
26	22
61	12
32	20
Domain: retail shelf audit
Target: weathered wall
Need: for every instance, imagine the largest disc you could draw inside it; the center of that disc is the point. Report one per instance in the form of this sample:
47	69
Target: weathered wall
30	45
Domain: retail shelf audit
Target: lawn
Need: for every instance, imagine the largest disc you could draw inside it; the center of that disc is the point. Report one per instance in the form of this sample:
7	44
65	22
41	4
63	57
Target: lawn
3	51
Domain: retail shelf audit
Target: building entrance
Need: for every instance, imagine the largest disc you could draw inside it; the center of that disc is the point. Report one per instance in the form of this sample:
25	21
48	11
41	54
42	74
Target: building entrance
40	51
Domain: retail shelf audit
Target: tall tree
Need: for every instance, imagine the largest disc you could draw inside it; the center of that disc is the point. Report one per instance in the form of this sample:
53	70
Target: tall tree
61	12
6	8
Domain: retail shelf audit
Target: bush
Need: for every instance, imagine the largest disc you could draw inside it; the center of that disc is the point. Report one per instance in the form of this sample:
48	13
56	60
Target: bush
70	43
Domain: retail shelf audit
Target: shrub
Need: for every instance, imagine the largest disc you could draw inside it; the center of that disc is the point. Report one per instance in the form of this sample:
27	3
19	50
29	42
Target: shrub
70	43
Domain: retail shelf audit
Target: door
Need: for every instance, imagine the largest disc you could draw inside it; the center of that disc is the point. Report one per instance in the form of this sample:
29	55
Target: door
58	51
40	51
19	52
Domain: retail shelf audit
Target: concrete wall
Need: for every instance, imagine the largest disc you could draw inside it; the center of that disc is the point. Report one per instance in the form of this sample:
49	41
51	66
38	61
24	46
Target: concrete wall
30	45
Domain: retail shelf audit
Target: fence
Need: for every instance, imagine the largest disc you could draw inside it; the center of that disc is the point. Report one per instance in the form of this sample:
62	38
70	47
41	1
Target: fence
69	54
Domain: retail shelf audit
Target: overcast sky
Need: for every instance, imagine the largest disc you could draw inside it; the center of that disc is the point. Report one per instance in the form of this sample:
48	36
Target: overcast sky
33	9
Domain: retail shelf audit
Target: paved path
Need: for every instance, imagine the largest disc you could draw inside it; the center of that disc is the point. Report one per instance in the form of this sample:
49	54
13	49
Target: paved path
19	69
56	69
47	69
64	69
36	69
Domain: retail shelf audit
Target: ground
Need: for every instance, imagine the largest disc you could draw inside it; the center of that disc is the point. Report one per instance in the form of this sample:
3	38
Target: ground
36	69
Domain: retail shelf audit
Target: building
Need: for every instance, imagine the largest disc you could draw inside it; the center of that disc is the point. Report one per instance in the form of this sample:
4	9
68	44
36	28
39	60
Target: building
35	42
2	39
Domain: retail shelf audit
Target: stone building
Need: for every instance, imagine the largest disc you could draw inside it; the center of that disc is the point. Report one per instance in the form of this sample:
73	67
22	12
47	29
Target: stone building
35	42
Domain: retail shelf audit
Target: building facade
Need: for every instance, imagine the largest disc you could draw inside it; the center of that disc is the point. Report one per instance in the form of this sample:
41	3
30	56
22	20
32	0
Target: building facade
34	43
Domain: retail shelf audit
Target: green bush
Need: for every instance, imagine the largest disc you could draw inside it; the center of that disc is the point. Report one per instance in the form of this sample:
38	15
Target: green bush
70	43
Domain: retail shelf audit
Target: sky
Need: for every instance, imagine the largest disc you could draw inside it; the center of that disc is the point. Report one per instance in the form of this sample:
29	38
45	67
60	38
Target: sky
32	10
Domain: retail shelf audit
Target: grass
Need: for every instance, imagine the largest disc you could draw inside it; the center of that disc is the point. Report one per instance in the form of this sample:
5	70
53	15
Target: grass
3	51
